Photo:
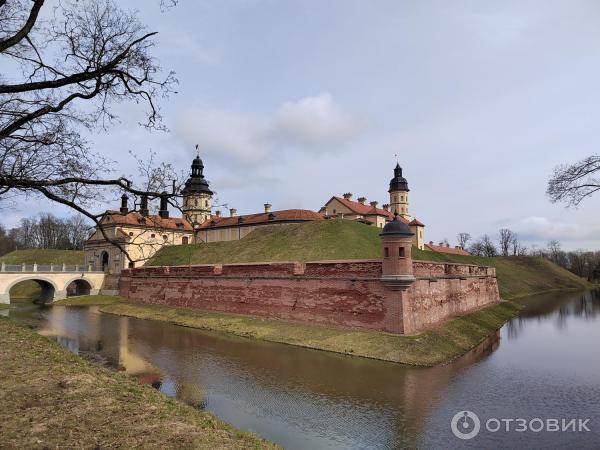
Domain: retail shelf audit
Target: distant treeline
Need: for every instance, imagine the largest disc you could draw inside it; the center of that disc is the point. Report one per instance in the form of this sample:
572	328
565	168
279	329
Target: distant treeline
45	231
583	263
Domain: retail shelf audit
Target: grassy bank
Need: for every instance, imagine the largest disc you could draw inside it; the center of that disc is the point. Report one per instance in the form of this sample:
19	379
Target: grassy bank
44	256
430	348
51	398
347	239
89	300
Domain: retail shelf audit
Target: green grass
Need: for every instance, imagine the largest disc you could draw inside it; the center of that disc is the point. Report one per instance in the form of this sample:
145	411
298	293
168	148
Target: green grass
52	398
88	300
44	256
436	346
347	239
310	241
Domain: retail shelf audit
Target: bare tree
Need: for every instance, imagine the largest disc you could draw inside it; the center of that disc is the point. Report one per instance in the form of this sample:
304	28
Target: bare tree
483	247
64	75
572	183
463	239
505	241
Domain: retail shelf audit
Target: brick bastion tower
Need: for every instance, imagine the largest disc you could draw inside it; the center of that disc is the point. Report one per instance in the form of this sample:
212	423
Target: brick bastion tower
397	265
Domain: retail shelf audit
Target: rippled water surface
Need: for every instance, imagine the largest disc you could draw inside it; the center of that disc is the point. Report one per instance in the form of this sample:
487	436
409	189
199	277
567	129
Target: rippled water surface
545	363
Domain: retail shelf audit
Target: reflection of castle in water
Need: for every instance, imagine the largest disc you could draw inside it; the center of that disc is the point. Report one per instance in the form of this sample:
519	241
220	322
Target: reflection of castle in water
245	381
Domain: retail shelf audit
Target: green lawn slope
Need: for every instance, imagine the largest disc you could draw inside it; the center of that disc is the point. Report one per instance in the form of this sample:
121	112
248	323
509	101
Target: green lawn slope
346	239
43	256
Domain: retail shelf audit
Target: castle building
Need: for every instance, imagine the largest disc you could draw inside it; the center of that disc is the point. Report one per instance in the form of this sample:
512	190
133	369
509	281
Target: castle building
345	208
140	234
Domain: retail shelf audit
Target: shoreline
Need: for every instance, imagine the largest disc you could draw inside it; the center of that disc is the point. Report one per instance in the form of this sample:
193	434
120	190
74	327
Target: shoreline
72	402
439	345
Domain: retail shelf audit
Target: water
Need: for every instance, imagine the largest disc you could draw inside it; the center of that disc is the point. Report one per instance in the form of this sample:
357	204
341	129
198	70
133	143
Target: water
542	364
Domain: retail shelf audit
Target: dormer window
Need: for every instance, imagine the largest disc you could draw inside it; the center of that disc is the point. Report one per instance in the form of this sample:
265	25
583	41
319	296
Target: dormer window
142	221
180	225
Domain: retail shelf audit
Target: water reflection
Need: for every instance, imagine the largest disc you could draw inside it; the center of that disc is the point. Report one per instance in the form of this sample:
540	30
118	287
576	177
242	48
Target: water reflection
309	399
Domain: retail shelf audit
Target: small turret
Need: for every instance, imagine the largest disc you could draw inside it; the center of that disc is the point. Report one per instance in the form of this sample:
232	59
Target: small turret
396	246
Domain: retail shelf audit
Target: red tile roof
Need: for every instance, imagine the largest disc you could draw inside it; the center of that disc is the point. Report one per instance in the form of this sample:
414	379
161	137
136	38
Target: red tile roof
153	221
365	210
444	249
286	215
416	222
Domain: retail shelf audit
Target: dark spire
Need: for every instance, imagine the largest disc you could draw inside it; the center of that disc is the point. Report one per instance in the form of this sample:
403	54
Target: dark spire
398	183
196	182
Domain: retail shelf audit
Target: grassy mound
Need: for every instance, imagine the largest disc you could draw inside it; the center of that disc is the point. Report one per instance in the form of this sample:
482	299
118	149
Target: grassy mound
310	241
72	403
346	239
43	256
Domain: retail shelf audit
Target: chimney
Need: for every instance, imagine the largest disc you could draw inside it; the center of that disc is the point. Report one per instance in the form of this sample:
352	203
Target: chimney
386	206
267	207
348	195
374	204
218	213
124	209
232	212
164	206
362	200
144	205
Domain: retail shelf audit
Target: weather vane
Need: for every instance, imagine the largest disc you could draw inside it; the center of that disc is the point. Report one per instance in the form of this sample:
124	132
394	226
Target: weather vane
197	150
396	155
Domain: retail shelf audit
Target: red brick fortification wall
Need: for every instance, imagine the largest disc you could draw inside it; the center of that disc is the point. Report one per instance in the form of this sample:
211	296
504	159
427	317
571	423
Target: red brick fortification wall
442	291
346	293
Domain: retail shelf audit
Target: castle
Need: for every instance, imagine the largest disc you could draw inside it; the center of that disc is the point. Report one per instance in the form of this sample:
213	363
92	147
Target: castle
141	234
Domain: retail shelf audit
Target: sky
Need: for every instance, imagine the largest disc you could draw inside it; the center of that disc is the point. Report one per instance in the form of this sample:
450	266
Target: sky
292	102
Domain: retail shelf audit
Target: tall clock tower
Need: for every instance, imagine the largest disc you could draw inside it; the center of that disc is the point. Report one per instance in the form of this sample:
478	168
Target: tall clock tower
399	194
197	197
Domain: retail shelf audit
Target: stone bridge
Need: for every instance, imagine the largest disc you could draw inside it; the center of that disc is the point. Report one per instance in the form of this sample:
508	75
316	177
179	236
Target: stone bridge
56	281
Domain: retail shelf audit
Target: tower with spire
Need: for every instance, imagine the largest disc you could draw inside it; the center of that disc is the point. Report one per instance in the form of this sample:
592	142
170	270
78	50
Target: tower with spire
399	194
197	197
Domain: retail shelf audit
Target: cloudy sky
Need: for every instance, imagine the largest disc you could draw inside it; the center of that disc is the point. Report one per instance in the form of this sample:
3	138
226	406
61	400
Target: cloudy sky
292	102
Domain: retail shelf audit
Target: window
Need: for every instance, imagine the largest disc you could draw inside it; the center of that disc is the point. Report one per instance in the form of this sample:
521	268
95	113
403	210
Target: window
165	237
152	235
131	265
184	240
131	233
401	252
386	252
206	203
335	211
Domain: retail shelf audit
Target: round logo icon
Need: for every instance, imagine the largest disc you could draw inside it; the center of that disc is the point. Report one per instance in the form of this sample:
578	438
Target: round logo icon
465	425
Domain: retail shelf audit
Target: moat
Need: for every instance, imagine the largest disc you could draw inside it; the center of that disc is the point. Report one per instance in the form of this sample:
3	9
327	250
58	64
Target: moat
543	363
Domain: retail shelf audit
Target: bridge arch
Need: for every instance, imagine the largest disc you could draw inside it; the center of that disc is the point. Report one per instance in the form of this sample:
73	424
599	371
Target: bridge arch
49	287
80	285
